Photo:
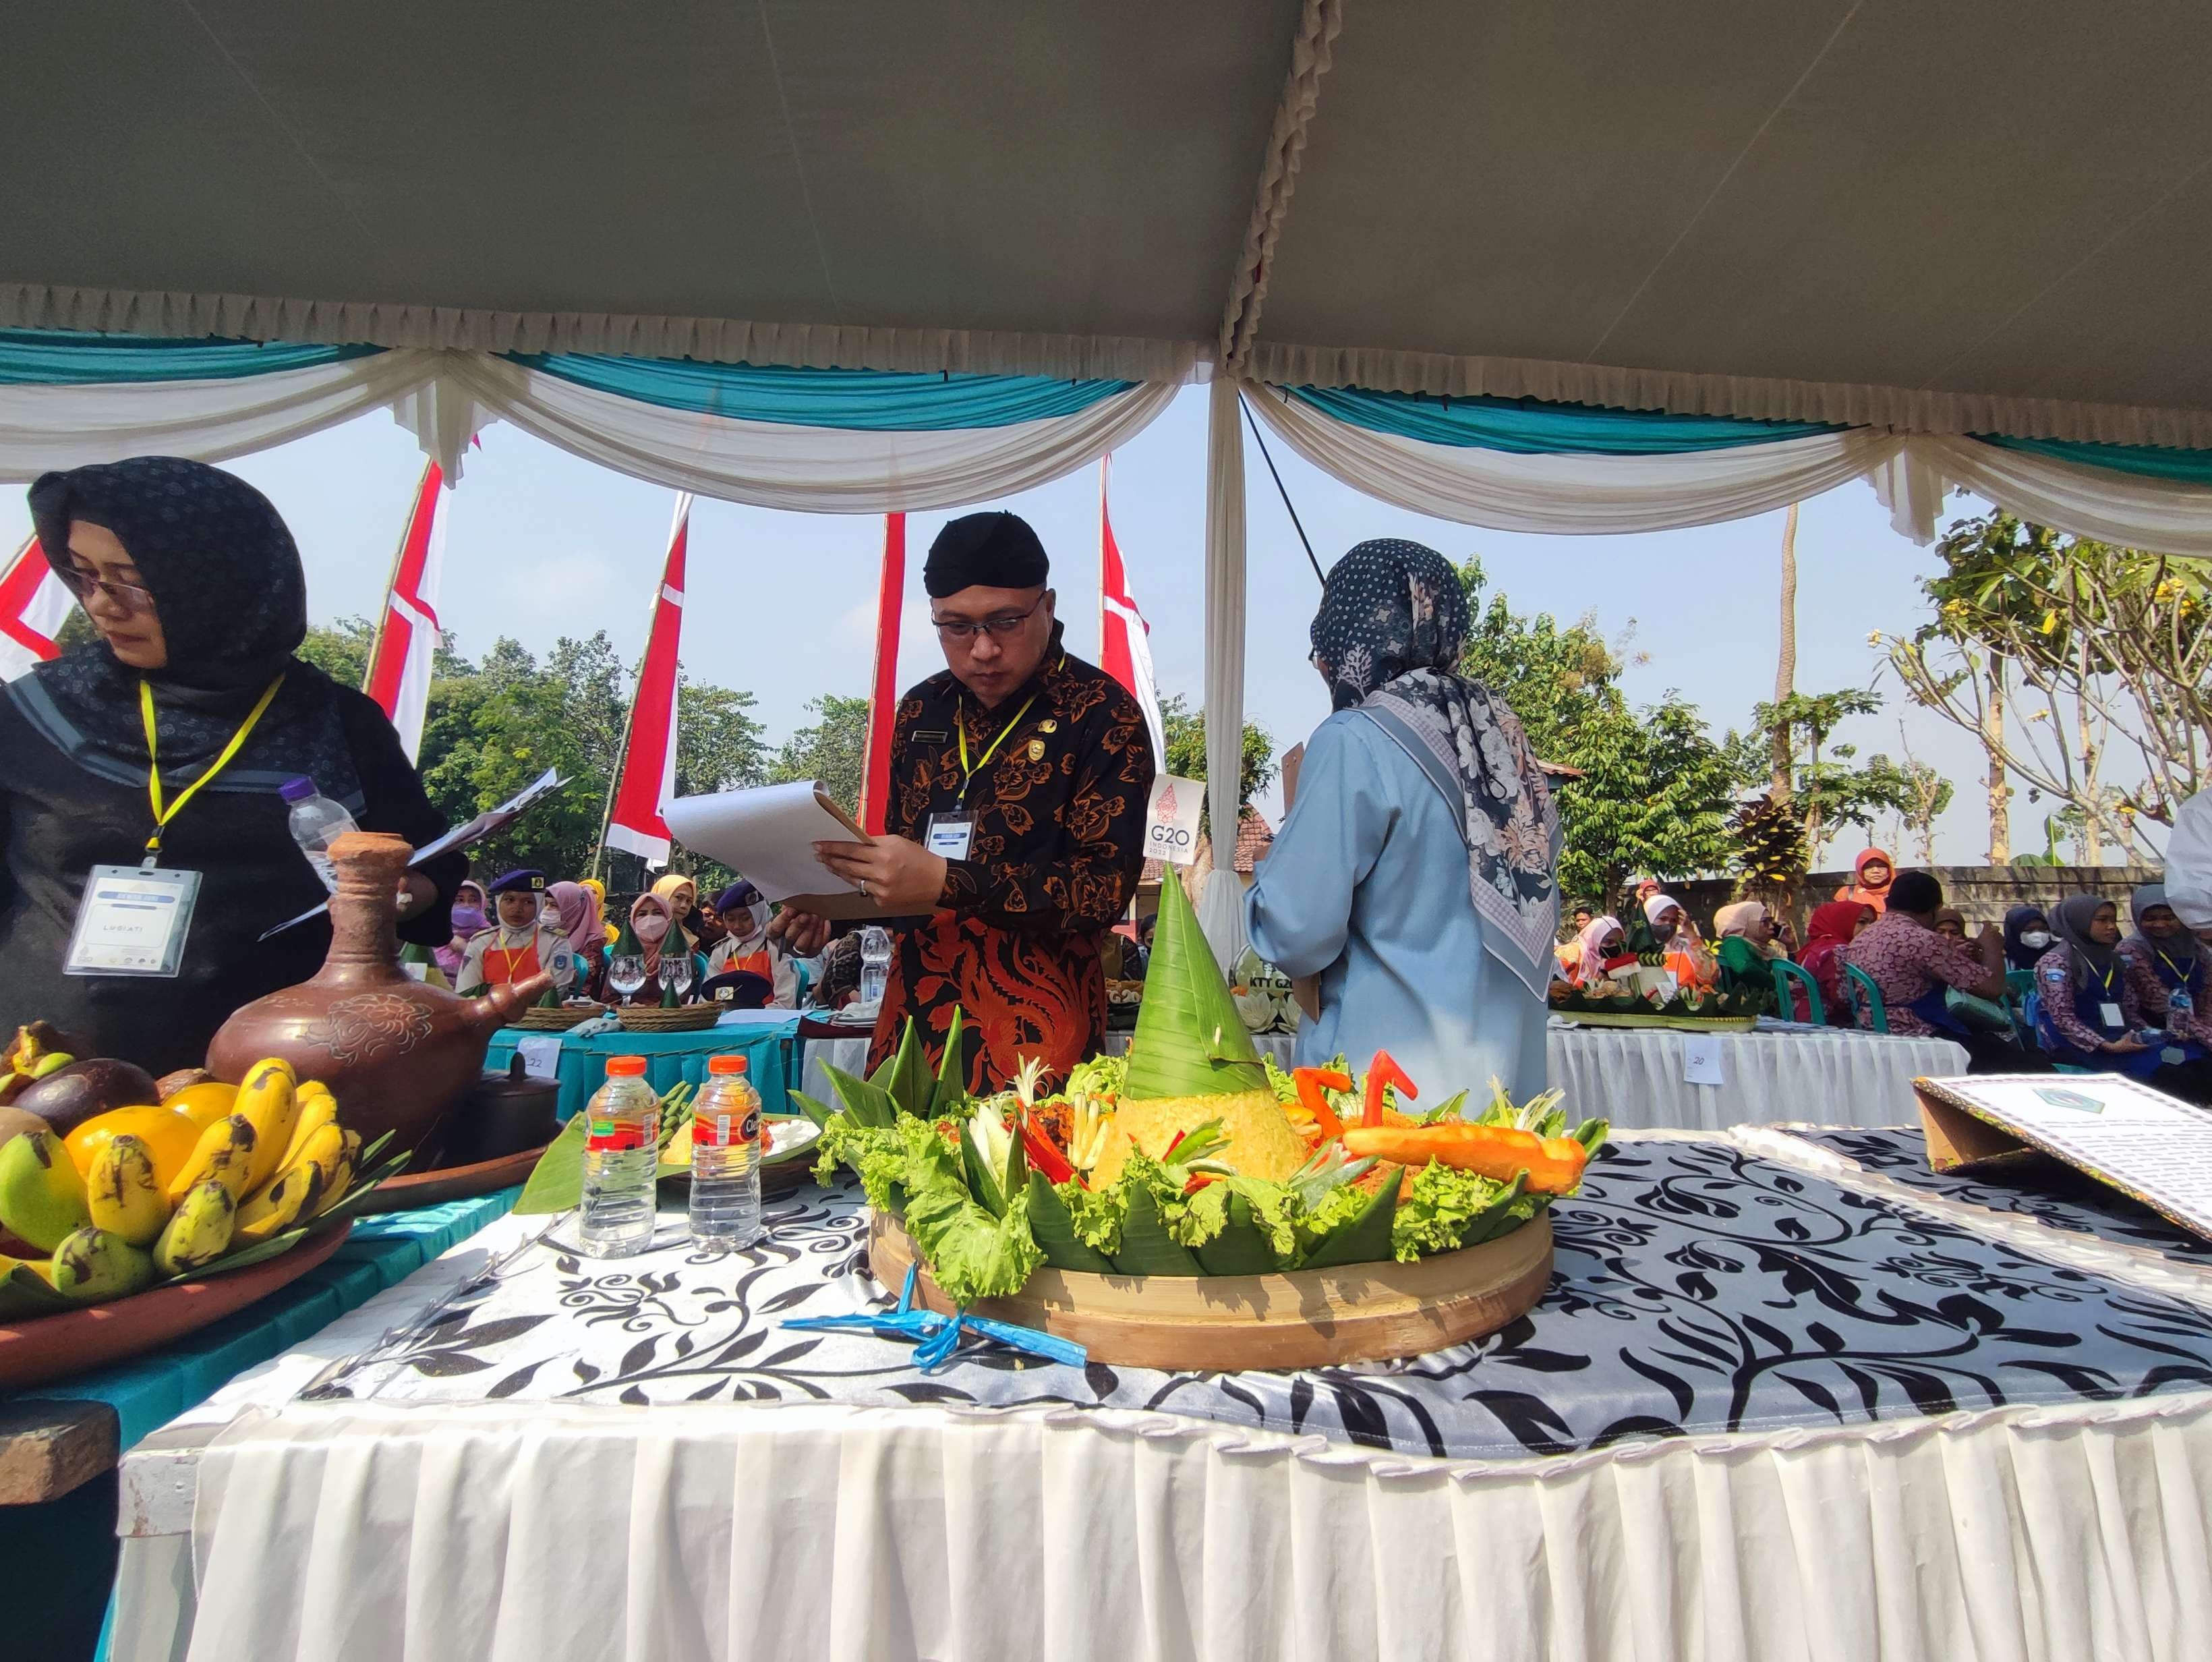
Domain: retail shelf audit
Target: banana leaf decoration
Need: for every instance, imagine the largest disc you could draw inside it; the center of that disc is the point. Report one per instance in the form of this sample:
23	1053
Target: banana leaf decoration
1191	1040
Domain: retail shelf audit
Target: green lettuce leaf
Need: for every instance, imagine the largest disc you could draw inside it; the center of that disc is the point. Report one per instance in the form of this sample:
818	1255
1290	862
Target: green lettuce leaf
1096	1215
1100	1076
1275	1207
1195	1219
971	1254
1435	1216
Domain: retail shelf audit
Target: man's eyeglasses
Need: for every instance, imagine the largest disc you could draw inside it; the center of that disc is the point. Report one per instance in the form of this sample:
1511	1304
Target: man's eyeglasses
963	630
129	596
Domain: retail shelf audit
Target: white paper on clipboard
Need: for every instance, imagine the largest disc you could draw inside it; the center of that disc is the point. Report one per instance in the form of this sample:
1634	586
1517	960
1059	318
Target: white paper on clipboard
768	833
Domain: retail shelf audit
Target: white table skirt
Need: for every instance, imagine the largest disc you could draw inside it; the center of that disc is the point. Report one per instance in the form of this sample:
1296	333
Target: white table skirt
542	1533
1633	1075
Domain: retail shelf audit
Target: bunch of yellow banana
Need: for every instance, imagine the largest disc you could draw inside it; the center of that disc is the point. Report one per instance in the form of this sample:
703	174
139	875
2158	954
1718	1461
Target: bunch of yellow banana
279	1159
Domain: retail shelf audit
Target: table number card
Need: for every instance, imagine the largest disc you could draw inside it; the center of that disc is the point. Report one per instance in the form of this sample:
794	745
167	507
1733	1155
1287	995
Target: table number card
1702	1060
2150	1147
541	1055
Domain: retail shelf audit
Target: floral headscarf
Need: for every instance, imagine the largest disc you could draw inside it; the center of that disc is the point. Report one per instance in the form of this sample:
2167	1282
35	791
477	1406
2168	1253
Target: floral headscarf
1387	635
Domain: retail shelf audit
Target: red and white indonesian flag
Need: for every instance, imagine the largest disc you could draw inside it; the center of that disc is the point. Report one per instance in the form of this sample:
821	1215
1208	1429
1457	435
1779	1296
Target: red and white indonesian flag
884	689
32	604
1125	650
648	767
399	669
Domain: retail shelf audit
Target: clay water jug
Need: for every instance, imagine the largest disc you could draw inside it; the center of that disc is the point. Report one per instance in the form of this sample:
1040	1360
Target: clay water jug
397	1053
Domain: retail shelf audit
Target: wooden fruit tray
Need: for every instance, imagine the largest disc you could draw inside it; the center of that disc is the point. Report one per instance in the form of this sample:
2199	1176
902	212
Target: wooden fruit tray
40	1349
1303	1318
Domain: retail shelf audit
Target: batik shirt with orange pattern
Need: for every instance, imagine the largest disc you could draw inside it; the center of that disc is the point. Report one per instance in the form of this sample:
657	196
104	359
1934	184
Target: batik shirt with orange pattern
1052	863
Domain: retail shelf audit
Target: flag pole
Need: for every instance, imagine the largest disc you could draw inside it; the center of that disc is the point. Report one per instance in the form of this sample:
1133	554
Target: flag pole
392	578
622	755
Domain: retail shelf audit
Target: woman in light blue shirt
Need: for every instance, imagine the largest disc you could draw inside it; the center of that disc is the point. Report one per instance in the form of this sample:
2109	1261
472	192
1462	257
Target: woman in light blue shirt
1415	872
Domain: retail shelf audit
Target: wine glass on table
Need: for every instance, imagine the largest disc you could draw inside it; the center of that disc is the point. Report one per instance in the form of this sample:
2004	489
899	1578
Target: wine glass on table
626	974
676	973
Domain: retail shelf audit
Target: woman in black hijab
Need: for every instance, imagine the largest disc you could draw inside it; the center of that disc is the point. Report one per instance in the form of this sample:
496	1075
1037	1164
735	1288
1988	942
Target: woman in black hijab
194	588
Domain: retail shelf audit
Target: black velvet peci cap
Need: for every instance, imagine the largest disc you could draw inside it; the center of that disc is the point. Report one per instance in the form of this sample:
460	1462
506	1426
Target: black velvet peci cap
987	550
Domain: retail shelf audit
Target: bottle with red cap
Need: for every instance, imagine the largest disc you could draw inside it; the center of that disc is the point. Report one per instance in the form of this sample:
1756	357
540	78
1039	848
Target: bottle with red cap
726	1132
621	1155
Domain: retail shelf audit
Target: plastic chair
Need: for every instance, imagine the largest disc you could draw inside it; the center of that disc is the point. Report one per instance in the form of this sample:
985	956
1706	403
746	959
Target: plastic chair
1784	973
1866	1000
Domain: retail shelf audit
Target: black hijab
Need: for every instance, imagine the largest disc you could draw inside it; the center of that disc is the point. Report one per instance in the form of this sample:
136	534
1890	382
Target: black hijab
2017	922
2070	922
1392	622
227	582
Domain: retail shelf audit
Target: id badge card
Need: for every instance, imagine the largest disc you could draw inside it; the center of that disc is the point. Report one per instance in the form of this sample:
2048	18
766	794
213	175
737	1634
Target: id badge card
133	922
2110	1014
949	834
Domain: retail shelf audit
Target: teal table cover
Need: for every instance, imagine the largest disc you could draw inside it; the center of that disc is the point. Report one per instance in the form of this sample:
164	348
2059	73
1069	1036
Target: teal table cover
148	1391
771	1049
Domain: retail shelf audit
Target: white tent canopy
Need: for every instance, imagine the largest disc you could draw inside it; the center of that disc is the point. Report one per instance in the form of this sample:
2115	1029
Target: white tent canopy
1953	242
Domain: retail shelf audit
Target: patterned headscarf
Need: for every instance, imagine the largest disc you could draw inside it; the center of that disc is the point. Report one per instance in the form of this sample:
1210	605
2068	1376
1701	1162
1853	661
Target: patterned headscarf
228	586
1393	619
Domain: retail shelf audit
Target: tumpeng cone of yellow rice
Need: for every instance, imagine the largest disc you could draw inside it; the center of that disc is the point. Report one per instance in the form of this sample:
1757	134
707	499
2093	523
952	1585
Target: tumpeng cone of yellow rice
1191	1060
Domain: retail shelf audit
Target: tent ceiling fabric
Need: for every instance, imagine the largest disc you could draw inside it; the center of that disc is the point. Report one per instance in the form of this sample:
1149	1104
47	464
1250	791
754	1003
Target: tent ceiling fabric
1976	215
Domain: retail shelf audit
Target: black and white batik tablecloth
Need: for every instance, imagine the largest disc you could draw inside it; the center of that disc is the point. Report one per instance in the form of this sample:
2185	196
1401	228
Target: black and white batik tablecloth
1696	1288
1760	1414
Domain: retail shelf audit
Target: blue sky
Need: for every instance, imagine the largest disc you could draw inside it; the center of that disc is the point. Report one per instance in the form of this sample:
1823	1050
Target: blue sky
541	544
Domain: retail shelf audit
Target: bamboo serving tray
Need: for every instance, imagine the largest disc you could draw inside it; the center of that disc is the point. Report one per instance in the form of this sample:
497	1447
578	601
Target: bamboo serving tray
652	1019
1302	1318
558	1019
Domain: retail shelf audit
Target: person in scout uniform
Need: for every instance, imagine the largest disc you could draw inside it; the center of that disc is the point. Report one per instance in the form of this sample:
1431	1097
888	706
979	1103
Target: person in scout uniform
1015	824
519	942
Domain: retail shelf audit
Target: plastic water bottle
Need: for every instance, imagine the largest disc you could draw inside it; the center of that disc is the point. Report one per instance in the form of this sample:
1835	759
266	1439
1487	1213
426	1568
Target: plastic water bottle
621	1153
725	1128
317	822
875	963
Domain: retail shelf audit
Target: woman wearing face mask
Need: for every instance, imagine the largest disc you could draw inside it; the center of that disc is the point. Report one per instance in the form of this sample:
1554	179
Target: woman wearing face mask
1669	932
1601	948
2026	937
2165	964
652	922
166	739
2090	1016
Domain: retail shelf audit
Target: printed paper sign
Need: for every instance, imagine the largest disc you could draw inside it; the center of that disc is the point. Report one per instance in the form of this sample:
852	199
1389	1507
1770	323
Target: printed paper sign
541	1055
1702	1062
1171	820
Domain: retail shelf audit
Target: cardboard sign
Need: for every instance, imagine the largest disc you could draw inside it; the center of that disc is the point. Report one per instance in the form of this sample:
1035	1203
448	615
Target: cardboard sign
1702	1059
1171	820
541	1055
2151	1146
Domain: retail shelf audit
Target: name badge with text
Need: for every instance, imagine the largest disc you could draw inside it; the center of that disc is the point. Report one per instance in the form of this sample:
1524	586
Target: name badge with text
949	835
133	922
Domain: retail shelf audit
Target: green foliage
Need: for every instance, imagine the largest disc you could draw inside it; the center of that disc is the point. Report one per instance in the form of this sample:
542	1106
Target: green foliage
1655	789
1770	846
1185	730
833	750
1830	787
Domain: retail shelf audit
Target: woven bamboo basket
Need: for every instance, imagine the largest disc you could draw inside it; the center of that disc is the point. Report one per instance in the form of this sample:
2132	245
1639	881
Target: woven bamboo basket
652	1019
559	1020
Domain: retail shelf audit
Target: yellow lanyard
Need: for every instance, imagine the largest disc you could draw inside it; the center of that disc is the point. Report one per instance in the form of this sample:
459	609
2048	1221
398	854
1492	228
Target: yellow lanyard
967	773
2183	976
163	815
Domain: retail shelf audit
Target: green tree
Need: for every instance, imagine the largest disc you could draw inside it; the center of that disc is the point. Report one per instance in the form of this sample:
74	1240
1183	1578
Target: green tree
1185	731
1830	789
1655	790
833	750
2078	641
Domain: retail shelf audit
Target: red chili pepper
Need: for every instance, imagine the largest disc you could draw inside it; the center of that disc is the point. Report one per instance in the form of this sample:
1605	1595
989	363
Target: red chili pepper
1199	1179
1384	1072
1310	1082
1043	1154
1174	1142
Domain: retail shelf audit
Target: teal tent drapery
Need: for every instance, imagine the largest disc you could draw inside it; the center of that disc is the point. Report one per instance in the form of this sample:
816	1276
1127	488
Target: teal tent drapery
2147	461
1530	427
59	357
864	400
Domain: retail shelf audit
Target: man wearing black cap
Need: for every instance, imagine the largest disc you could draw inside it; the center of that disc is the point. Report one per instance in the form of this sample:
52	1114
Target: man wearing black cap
1019	778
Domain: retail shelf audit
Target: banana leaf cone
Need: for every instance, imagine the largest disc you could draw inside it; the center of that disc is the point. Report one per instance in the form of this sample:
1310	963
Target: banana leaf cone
1191	1040
1192	1060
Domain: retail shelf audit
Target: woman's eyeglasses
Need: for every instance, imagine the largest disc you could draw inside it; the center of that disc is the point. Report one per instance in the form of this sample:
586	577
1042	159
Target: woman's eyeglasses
129	596
1001	627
